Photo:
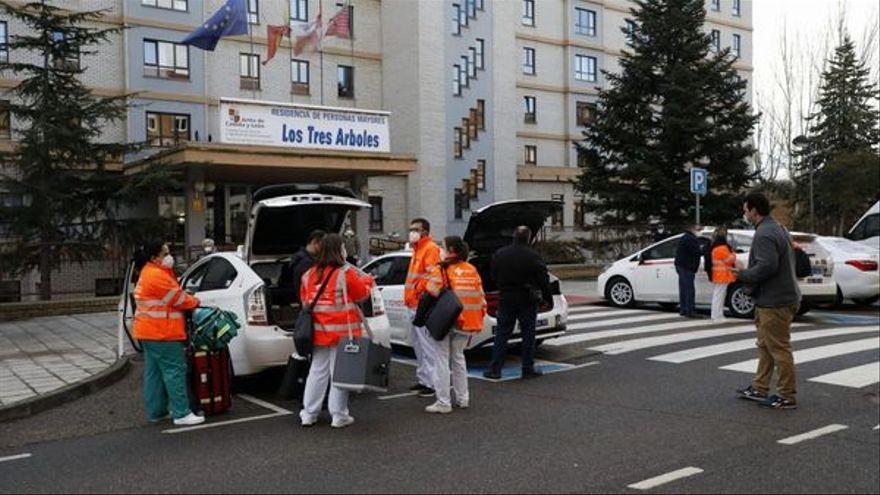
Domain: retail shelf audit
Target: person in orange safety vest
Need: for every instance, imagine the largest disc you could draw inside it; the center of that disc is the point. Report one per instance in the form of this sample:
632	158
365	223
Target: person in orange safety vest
425	255
160	326
464	280
723	261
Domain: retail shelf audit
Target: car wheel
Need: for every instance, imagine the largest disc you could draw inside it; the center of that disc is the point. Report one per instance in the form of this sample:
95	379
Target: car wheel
741	304
866	301
620	292
669	306
804	308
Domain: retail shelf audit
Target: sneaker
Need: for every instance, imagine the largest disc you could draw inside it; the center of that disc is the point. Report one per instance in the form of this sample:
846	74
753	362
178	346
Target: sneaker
342	422
751	393
532	373
777	402
426	392
162	418
189	420
438	408
492	374
307	420
462	405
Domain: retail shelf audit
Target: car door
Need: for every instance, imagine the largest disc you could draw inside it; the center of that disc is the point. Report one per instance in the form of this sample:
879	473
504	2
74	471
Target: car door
656	279
390	275
214	283
702	285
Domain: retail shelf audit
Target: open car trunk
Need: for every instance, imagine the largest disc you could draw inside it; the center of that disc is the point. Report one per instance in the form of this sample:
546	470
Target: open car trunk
491	228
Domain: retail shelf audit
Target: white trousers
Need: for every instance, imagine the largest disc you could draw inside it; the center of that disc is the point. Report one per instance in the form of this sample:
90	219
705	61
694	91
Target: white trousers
451	367
719	294
320	374
424	348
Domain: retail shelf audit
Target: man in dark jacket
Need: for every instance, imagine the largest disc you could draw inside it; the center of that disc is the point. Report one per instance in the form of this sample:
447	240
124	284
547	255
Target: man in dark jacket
687	262
292	271
521	276
771	280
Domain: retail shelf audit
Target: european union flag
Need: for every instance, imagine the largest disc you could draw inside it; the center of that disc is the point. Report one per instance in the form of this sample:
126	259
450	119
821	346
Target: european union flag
230	20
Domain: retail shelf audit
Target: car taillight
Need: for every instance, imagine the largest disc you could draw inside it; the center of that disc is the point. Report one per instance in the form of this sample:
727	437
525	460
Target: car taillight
863	265
257	313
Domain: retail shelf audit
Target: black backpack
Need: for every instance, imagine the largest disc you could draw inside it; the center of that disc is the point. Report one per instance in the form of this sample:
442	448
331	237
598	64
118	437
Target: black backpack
802	266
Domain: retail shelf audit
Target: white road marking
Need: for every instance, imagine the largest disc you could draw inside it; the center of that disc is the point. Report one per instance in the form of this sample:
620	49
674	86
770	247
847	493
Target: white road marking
576	310
675	338
877	427
695	353
855	377
825	430
665	478
185	429
620	332
611	313
262	403
399	396
620	321
814	354
20	456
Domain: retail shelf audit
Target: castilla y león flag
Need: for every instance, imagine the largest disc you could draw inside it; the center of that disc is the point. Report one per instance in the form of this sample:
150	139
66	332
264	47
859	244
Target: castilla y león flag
274	34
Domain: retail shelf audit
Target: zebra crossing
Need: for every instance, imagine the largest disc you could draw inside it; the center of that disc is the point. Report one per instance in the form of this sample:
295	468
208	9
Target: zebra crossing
614	331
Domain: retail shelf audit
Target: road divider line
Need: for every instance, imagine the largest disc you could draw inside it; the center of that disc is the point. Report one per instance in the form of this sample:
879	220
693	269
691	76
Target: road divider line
855	377
818	432
665	478
399	396
185	429
262	403
814	353
25	456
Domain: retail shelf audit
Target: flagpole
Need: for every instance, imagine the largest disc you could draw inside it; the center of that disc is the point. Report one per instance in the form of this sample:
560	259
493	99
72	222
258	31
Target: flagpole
290	46
320	28
251	39
351	43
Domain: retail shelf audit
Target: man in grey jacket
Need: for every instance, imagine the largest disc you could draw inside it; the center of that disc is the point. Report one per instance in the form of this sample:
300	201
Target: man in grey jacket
771	279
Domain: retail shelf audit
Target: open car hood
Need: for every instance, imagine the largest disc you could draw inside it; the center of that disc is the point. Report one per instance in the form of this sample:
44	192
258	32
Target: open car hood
280	225
492	226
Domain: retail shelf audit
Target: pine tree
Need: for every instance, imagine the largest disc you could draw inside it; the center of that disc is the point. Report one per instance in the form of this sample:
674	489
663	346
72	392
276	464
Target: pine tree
674	105
68	180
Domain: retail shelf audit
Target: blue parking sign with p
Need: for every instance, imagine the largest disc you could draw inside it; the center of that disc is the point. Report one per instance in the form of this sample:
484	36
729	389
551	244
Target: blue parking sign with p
699	181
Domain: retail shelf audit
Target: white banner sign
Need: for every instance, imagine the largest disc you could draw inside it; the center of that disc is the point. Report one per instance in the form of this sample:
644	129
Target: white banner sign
303	126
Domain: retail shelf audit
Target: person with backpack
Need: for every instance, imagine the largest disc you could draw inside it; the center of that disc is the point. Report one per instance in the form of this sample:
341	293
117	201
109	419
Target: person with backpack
456	274
719	263
324	287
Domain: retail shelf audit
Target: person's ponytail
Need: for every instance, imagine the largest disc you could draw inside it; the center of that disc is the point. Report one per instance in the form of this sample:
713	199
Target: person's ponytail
148	251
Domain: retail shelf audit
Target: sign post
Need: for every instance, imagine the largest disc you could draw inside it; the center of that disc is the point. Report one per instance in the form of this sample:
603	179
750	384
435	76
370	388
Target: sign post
699	186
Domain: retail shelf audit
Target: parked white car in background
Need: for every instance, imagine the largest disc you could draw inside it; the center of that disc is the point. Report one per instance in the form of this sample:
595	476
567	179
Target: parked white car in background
649	276
246	282
855	269
488	229
867	230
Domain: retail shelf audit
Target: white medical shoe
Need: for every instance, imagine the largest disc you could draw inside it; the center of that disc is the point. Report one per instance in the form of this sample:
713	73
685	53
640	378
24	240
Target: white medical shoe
462	404
438	408
189	420
342	422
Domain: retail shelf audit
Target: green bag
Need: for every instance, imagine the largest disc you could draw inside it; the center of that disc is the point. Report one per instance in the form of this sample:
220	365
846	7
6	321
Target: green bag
213	328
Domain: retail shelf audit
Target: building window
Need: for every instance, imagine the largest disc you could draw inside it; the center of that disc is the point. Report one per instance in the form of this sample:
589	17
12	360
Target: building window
5	120
465	71
472	62
481	175
345	81
249	71
630	31
531	154
716	5
586	112
558	215
456	80
462	15
167	129
585	23
180	5
737	45
253	10
481	115
4	39
456	146
376	214
737	8
71	62
528	15
166	60
580	213
472	121
456	18
299	10
299	77
585	68
529	61
716	41
481	53
459	207
530	104
466	133
472	8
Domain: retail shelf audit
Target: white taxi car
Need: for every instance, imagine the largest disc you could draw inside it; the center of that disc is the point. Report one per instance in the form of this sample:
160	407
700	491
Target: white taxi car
855	269
489	229
247	282
649	275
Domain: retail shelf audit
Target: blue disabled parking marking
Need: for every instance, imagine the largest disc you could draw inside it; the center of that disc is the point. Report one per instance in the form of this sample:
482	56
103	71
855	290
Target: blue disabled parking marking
846	319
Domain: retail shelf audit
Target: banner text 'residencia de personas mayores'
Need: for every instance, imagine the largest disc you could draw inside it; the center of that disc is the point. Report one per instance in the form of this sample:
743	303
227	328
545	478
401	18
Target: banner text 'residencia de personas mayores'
341	137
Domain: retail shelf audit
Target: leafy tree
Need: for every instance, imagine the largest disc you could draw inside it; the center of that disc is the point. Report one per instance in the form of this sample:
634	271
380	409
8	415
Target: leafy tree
675	104
66	183
850	183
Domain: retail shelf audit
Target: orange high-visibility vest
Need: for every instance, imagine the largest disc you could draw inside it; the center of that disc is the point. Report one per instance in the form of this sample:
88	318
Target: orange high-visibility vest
426	254
722	265
335	315
464	280
160	305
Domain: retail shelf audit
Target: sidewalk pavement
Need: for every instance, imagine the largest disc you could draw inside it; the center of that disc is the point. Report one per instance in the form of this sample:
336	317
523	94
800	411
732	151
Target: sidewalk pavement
580	292
42	356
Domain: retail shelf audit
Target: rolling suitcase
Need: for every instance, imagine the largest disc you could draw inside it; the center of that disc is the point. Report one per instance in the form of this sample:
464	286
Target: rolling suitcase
293	385
210	380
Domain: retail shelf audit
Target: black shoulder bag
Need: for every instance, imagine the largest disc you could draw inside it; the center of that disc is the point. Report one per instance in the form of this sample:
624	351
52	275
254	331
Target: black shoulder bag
304	329
445	312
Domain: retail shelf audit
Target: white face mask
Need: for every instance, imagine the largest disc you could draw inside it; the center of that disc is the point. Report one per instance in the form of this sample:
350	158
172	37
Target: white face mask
746	219
209	249
168	261
414	237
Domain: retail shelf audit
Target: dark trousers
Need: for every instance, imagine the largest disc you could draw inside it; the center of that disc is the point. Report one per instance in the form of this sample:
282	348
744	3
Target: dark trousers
686	291
510	311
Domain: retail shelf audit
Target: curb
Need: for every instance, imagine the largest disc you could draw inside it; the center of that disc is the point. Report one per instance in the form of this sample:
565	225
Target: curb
40	403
